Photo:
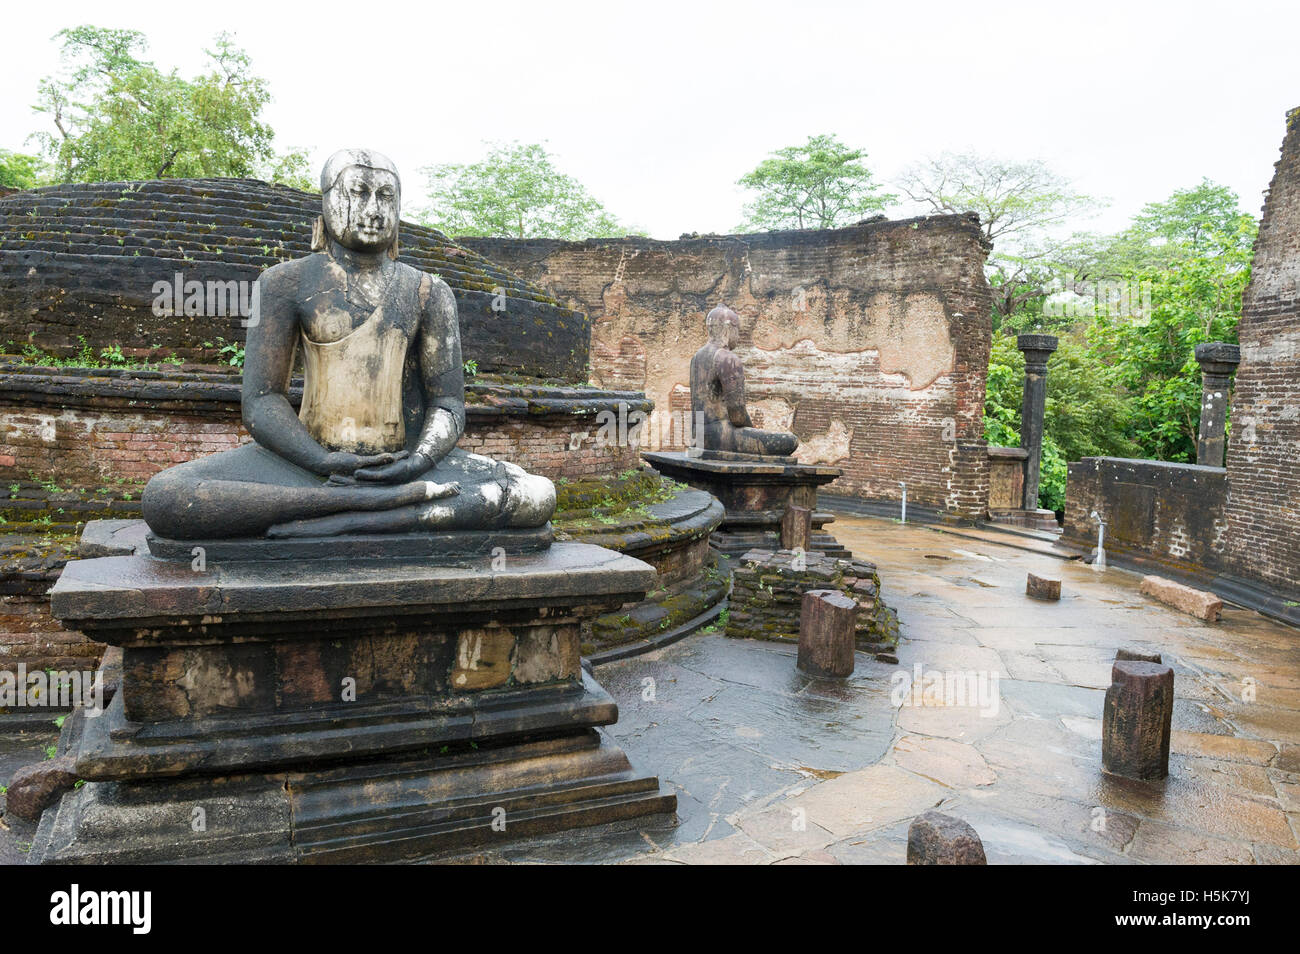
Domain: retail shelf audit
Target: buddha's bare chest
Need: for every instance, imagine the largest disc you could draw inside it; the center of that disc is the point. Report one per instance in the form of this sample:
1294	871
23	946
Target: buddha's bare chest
336	310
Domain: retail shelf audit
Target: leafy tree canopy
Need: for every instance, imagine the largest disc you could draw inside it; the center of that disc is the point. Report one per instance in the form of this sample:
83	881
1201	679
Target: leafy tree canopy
1204	220
822	184
1127	384
1021	205
18	170
1087	413
514	192
1016	200
116	116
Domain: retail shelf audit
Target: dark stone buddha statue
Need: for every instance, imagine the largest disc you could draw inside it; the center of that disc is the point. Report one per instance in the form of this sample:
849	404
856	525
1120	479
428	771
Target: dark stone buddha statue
718	395
373	447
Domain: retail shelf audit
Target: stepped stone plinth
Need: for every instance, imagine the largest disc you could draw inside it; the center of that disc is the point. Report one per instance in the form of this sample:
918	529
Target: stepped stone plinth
342	710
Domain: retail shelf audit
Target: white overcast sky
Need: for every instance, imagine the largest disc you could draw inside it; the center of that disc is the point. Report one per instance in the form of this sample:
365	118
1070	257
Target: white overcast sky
659	107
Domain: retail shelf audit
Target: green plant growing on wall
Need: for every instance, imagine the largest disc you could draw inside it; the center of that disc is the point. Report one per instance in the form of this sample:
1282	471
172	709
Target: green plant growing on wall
232	352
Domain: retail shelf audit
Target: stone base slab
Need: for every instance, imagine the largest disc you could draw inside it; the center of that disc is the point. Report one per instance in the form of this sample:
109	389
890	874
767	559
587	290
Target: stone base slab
378	810
444	547
1030	519
334	709
756	491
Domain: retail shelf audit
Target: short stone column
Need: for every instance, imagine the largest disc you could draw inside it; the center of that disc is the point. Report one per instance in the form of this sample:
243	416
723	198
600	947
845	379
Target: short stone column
827	620
1218	361
796	528
1037	349
1136	719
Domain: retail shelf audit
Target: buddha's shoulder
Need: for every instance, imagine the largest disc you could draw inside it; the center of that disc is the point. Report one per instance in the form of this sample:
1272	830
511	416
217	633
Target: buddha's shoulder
726	358
292	273
431	285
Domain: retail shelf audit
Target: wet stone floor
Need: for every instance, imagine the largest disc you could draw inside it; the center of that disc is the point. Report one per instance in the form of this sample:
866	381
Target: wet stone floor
772	766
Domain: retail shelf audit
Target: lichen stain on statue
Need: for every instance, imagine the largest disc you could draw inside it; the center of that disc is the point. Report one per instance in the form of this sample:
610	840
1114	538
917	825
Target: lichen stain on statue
718	396
373	448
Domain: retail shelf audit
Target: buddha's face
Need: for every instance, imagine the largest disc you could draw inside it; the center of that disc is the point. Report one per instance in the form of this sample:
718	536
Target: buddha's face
363	209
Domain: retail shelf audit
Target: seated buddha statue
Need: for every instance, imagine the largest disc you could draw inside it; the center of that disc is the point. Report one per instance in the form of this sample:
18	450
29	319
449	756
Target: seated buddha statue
372	448
718	395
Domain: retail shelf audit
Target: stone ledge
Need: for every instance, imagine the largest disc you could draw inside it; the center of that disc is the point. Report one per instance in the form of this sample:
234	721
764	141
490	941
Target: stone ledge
109	598
199	390
777	470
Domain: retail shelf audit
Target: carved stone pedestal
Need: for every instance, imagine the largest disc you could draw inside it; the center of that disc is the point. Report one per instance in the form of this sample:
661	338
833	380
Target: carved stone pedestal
756	492
342	709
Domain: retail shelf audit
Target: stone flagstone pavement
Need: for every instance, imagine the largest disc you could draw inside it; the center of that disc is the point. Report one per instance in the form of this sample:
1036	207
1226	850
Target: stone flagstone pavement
772	766
751	745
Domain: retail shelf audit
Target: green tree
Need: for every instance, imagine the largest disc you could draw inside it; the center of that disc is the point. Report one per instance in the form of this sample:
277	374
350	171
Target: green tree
18	170
1204	220
822	184
1021	205
1187	259
117	116
1193	301
1087	412
516	192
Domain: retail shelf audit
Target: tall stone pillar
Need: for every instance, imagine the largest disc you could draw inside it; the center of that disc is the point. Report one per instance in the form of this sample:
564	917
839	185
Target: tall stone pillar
1218	361
1037	349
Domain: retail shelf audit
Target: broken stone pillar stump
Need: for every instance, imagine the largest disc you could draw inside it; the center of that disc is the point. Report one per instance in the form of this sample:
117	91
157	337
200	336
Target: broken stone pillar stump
361	708
796	529
34	787
757	492
938	839
1136	719
1043	588
827	623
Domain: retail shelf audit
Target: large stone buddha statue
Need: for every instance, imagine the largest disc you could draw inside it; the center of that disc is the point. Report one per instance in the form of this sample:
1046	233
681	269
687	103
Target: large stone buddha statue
373	447
718	395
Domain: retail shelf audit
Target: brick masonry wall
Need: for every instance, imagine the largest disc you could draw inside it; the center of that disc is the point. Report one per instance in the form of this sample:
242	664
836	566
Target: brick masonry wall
86	439
84	261
1264	449
87	446
1173	514
28	634
871	343
767	595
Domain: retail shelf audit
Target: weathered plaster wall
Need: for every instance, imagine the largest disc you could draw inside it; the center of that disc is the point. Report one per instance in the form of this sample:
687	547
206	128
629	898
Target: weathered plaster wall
871	343
1264	445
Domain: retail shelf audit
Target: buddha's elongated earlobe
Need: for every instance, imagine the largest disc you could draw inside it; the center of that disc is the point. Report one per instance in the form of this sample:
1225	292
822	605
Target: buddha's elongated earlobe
318	234
394	250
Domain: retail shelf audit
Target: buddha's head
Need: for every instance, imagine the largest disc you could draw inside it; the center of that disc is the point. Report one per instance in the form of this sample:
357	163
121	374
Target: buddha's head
361	202
723	326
